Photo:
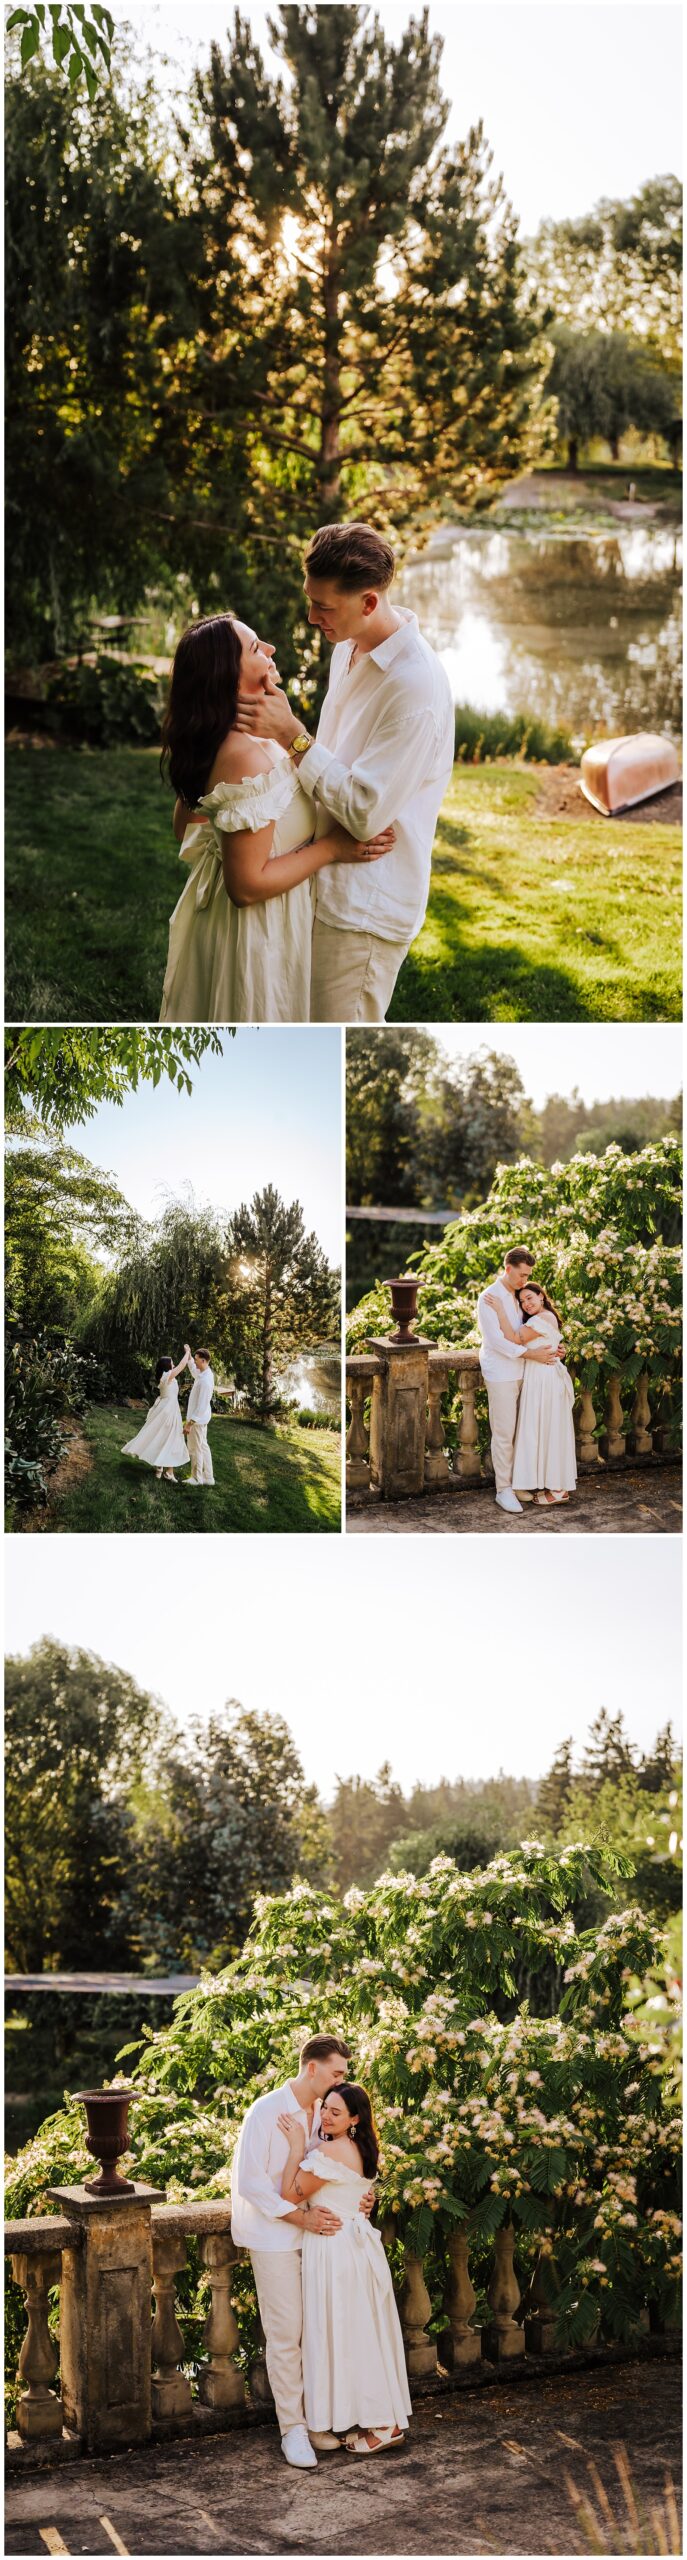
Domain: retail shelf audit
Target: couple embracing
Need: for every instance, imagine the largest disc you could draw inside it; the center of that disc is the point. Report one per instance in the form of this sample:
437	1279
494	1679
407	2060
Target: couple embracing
308	859
302	2192
529	1389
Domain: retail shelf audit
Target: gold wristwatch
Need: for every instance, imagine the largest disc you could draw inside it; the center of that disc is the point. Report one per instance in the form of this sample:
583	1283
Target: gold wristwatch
299	745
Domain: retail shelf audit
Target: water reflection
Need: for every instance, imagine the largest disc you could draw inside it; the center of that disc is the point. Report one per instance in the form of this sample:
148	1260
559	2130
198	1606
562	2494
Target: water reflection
314	1378
582	630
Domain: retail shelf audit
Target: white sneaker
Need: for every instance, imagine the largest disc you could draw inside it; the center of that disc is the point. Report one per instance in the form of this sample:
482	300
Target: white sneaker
297	2449
508	1500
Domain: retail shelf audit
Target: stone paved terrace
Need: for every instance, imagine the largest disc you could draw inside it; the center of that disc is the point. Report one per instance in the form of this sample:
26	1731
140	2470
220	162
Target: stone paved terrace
482	2473
635	1502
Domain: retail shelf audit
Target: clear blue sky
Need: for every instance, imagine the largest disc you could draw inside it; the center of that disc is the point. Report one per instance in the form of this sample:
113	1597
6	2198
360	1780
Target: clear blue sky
578	100
372	1649
268	1110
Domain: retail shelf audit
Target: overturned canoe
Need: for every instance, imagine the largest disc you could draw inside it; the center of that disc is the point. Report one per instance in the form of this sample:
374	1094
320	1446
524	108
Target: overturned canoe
617	772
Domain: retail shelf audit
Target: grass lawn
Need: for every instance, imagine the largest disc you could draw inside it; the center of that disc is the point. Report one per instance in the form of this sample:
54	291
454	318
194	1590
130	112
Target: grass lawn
530	919
538	920
274	1480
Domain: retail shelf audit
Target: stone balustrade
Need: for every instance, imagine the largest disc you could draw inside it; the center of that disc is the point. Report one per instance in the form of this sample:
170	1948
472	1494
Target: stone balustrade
396	1444
128	2378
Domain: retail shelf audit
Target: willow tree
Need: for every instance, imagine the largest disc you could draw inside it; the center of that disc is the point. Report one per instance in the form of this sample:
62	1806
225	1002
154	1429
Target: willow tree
167	1286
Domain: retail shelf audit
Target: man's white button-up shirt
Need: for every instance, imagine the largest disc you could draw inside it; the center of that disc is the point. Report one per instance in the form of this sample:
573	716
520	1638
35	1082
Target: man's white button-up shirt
199	1407
258	2210
499	1358
383	754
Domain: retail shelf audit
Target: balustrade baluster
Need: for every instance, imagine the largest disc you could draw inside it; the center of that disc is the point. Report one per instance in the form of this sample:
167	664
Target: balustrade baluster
39	2408
462	2344
642	1435
540	2317
260	2386
220	2384
171	2388
614	1442
468	1460
436	1461
357	1438
415	2310
502	2338
585	1425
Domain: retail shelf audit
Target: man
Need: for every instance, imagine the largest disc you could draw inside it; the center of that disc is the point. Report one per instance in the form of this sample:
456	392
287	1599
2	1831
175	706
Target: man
502	1366
384	753
272	2230
198	1415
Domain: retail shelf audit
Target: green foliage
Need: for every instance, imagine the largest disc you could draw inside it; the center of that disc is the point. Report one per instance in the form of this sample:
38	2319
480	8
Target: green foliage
78	1731
81	40
66	1074
618	267
61	1212
44	1383
485	735
309	1421
603	384
565	2124
105	702
603	1231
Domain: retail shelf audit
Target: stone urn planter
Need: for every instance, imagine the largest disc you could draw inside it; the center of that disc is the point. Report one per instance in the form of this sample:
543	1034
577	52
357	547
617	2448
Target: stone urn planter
107	2117
403	1305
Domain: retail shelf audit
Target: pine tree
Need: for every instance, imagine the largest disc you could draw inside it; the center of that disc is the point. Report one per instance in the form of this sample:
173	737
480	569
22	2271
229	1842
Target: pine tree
556	1788
282	1293
367	316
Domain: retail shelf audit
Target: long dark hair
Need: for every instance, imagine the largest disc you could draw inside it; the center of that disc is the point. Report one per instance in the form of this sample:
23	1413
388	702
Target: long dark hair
541	1293
161	1366
366	2135
203	696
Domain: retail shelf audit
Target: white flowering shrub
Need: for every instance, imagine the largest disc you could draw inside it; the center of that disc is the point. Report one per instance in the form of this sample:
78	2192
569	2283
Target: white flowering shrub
604	1231
566	2123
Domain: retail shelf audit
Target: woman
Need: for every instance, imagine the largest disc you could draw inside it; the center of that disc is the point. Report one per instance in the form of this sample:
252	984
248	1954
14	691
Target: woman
160	1443
544	1455
354	2373
240	938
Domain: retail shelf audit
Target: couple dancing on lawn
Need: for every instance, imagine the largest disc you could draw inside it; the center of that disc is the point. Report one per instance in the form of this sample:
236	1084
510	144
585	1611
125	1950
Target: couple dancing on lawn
161	1443
530	1391
308	859
302	2191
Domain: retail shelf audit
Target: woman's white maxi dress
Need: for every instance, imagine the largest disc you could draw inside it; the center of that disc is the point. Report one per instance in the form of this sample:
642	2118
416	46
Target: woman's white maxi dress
242	964
354	2372
161	1441
544	1454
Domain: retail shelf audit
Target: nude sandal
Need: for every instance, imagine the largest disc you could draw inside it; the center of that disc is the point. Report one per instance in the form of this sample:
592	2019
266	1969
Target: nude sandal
357	2442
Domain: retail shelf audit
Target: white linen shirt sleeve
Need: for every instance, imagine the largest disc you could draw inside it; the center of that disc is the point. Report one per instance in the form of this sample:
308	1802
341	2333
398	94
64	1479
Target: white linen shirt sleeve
491	1331
252	2178
368	794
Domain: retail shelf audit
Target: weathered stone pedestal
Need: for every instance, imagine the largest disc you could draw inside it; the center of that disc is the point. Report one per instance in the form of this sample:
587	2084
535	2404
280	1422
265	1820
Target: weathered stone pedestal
398	1418
105	2315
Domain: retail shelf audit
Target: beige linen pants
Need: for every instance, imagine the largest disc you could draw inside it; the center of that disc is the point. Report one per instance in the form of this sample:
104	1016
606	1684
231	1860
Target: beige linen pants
353	974
278	2285
199	1453
503	1414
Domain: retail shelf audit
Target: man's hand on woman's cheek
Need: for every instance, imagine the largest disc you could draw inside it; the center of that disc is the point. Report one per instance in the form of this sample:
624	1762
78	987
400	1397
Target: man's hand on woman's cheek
268	715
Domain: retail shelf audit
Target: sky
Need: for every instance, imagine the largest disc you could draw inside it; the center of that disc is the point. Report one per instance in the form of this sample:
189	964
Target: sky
578	100
603	1060
371	1649
268	1110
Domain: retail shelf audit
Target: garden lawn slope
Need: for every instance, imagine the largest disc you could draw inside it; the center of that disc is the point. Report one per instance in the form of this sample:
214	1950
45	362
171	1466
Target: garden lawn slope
275	1479
529	920
534	920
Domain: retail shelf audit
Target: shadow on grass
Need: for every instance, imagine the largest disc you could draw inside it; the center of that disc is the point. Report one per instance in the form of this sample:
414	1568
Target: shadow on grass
265	1481
499	982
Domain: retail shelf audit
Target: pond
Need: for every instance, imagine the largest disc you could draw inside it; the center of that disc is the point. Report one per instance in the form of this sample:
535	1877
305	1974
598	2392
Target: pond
314	1378
583	630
